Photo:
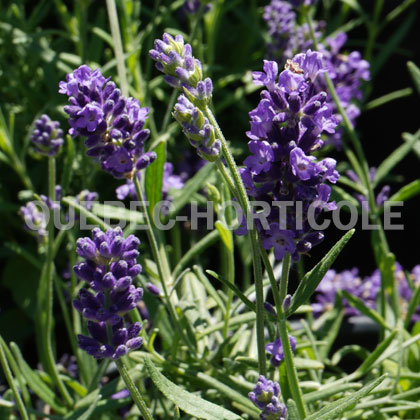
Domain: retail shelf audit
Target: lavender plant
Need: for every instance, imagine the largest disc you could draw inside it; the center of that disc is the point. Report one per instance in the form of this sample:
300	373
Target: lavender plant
244	292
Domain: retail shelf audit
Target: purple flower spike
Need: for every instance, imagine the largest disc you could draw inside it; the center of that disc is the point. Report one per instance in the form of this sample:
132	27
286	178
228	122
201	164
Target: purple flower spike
266	397
47	136
276	350
112	124
109	270
286	128
182	70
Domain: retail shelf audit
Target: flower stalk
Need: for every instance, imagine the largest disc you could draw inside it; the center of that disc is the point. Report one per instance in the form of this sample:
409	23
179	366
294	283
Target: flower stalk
134	391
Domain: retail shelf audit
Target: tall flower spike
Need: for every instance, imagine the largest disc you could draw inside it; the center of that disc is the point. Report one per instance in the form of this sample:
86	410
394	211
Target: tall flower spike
182	70
112	123
266	397
109	269
197	128
47	136
286	127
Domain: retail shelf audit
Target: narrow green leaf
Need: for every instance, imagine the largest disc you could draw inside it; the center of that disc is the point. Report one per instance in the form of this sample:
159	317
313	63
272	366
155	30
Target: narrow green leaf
392	43
35	383
195	251
334	410
405	193
209	287
68	165
8	374
328	391
412	306
338	194
86	415
311	280
187	402
107	211
394	158
415	75
374	356
292	410
397	94
182	197
225	235
361	307
154	177
71	202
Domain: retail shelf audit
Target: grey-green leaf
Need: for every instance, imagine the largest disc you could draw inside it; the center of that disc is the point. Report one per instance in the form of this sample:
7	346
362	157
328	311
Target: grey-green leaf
395	157
154	177
311	280
415	74
334	410
191	404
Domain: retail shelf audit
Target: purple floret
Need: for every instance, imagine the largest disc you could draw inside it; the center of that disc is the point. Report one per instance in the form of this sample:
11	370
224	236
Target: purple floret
266	397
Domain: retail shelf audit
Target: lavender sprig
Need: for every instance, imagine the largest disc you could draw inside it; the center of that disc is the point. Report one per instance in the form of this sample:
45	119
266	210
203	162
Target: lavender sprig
112	123
286	128
109	269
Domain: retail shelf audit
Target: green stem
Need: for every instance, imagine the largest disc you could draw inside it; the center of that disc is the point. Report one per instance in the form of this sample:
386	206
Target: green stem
284	336
246	206
160	259
9	378
118	48
48	302
135	393
373	29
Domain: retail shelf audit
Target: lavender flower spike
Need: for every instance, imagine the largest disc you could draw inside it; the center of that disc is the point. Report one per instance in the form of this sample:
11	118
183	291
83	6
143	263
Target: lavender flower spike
286	128
47	136
197	128
182	70
112	124
266	397
109	269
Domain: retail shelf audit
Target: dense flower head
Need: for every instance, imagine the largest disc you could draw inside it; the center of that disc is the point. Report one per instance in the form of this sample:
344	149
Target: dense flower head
197	128
174	58
286	127
347	71
276	350
266	397
366	289
109	269
112	123
47	136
